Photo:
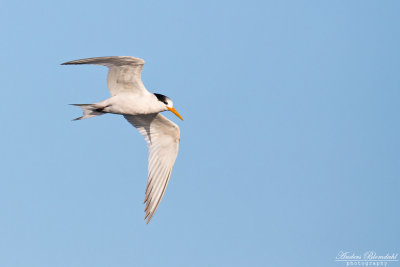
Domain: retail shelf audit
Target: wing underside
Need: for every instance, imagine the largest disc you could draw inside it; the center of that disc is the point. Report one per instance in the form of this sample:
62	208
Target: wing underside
162	137
124	75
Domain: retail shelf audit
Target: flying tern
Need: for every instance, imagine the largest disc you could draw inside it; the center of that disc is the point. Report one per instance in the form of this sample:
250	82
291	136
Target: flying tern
141	108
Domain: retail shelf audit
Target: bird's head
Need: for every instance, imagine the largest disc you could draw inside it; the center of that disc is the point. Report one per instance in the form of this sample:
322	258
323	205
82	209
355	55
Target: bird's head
168	104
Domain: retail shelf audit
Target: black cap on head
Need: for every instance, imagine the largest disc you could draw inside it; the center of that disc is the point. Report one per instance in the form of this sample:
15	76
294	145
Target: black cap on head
162	98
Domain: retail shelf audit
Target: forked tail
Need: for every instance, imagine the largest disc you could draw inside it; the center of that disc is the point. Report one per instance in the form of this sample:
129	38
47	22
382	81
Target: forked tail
89	111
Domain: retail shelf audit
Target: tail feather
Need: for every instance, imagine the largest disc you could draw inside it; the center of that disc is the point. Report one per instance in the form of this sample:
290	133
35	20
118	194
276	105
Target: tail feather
89	111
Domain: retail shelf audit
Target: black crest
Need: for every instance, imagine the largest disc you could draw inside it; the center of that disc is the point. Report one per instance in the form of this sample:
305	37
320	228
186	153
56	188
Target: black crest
162	98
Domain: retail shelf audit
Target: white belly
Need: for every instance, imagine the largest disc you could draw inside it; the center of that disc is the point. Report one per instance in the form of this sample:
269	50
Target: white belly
133	104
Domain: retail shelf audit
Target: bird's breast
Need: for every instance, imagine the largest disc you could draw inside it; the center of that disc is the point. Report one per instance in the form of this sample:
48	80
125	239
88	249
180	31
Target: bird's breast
133	104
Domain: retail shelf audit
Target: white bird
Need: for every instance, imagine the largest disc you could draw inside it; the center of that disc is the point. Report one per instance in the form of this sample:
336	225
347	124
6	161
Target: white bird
142	109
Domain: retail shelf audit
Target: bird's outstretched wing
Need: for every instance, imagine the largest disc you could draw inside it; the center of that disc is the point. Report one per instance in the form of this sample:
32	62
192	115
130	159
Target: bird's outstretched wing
162	136
124	74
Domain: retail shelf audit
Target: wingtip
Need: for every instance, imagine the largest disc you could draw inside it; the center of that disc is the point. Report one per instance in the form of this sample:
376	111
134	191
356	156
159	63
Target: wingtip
73	62
145	217
148	216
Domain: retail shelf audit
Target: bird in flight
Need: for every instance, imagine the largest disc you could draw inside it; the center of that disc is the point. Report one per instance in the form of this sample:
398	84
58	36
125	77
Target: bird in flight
142	109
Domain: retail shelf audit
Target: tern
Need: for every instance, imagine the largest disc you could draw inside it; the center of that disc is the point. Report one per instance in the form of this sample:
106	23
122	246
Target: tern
142	109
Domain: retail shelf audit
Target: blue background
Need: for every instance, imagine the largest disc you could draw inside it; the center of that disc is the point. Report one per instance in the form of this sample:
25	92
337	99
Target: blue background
289	149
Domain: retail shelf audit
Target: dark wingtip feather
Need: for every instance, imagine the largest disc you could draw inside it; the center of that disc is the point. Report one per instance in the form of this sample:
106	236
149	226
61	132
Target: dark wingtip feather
149	218
69	63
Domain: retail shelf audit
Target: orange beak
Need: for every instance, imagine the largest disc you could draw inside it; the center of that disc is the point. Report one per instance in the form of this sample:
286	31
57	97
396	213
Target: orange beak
173	110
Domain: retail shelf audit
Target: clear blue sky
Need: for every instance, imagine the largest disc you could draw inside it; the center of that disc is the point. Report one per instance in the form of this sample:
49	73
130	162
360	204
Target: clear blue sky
289	149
